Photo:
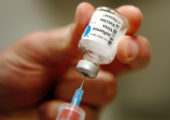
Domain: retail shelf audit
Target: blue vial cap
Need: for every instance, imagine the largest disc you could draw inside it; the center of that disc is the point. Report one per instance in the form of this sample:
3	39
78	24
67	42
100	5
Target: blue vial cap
77	97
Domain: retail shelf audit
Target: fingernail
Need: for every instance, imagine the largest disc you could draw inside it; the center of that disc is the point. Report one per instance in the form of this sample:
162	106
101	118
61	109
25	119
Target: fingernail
131	49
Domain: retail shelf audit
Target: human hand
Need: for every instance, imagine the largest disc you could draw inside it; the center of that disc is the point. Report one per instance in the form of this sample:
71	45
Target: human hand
43	63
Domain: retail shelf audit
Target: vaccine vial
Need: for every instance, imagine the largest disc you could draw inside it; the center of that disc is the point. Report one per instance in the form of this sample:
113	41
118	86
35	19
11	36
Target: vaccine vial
100	40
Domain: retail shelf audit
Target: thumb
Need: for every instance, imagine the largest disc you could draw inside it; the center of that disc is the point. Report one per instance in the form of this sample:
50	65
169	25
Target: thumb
84	12
72	33
55	46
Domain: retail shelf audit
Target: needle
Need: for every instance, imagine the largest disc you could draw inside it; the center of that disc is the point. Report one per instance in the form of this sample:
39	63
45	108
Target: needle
84	78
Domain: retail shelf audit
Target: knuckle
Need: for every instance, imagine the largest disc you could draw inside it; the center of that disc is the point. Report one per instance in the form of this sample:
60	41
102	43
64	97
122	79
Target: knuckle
146	48
30	40
110	92
33	36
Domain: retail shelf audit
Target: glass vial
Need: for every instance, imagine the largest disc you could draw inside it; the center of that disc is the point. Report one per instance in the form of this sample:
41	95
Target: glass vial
100	40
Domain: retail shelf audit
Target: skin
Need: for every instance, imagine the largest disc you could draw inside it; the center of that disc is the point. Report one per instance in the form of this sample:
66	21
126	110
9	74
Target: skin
37	73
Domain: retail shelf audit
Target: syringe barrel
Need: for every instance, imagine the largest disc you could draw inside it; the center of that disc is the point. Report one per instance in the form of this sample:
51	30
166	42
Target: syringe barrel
70	112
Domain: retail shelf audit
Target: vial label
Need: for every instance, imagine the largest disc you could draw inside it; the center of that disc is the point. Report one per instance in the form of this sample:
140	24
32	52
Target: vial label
103	27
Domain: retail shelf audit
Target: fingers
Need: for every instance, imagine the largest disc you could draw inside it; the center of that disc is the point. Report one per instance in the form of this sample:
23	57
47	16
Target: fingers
132	53
134	16
49	111
97	91
61	44
132	13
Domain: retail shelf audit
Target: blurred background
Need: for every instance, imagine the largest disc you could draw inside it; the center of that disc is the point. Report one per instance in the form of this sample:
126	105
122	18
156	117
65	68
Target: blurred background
143	95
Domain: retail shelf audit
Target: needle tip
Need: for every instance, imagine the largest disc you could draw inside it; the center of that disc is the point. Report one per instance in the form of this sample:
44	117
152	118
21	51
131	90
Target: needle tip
82	82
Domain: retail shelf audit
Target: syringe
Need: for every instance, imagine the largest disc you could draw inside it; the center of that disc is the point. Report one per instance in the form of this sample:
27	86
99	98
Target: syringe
72	111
